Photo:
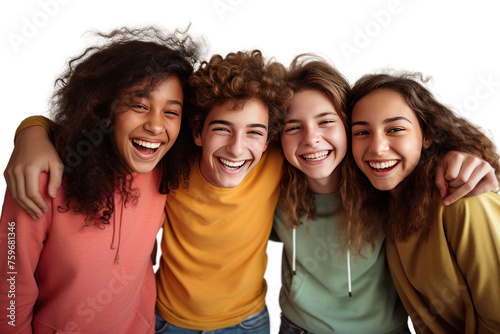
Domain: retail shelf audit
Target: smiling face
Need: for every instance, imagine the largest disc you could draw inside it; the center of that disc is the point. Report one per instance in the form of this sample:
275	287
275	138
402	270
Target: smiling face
387	139
314	140
232	142
149	124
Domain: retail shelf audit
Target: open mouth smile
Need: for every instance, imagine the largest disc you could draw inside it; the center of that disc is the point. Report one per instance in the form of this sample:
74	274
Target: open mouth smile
232	165
384	166
318	156
145	147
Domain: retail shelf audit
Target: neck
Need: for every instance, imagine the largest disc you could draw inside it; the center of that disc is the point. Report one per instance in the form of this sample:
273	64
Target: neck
327	185
394	193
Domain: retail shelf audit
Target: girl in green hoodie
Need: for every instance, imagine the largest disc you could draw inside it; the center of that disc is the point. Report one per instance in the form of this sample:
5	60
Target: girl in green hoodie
325	288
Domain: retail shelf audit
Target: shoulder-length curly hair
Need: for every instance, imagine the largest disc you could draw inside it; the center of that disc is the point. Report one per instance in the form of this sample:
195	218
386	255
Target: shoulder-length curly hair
310	72
240	76
91	90
410	212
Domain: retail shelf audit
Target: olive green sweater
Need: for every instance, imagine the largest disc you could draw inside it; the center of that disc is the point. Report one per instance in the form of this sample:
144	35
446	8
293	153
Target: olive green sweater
449	281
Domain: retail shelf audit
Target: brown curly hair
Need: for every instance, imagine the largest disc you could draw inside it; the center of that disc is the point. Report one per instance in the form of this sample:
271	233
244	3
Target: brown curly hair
410	213
240	76
91	90
308	71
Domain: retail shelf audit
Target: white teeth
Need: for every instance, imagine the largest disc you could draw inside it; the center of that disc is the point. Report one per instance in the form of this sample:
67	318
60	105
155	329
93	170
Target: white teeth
316	156
230	164
383	165
146	144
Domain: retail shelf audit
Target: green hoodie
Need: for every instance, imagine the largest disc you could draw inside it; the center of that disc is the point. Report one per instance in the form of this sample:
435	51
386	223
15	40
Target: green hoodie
317	297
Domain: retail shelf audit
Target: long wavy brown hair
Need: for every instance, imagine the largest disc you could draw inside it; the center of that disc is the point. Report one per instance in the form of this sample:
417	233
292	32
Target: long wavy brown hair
240	76
411	212
91	90
306	72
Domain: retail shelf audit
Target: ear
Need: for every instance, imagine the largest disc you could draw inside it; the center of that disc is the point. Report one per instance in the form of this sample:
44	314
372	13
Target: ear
427	142
197	138
267	144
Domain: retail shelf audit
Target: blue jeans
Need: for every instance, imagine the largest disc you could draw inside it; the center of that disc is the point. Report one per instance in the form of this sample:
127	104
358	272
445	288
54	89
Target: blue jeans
254	324
288	327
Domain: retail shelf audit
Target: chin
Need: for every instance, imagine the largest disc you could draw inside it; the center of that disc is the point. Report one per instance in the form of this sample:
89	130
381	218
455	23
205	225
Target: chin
142	169
233	184
385	188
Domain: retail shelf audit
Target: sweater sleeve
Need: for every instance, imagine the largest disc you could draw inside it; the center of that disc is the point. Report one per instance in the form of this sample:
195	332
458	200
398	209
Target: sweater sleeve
34	121
21	243
274	235
476	244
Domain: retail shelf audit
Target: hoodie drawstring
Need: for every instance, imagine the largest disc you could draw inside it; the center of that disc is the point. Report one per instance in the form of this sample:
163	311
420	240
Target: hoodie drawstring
294	235
349	272
117	256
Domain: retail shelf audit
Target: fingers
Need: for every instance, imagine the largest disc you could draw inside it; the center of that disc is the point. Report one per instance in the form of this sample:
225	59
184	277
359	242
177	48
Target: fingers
456	194
55	177
30	200
471	167
477	181
458	167
32	179
32	155
440	181
10	180
486	183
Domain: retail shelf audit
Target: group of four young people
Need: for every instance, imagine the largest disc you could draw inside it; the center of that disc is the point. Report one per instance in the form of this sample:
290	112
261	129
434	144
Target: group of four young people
223	185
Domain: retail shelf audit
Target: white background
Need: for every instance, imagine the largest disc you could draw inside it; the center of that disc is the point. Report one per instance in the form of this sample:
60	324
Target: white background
456	42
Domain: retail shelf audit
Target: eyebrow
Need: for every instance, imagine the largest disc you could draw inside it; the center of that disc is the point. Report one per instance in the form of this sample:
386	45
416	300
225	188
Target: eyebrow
385	121
323	114
140	93
252	125
174	102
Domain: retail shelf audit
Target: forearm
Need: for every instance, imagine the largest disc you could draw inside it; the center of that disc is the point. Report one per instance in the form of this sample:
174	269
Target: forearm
34	121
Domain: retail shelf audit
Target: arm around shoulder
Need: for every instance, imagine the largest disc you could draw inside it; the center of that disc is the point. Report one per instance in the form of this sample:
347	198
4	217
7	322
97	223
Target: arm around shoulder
461	174
32	155
34	121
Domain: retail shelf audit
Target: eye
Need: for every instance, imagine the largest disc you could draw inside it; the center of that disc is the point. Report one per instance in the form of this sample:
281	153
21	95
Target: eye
255	132
220	130
291	128
138	107
172	113
360	133
328	121
395	130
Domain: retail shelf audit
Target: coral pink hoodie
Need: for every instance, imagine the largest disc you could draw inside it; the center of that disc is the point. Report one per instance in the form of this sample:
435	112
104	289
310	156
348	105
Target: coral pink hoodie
62	278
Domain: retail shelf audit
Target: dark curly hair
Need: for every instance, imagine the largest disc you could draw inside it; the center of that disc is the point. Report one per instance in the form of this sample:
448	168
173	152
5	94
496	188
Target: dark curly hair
91	90
240	76
308	71
410	212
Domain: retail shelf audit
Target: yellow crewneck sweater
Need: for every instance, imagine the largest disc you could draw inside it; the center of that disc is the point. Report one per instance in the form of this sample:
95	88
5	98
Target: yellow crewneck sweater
214	248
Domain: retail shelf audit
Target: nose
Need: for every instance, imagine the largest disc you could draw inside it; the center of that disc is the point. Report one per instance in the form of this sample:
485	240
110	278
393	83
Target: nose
311	136
155	123
236	145
378	144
